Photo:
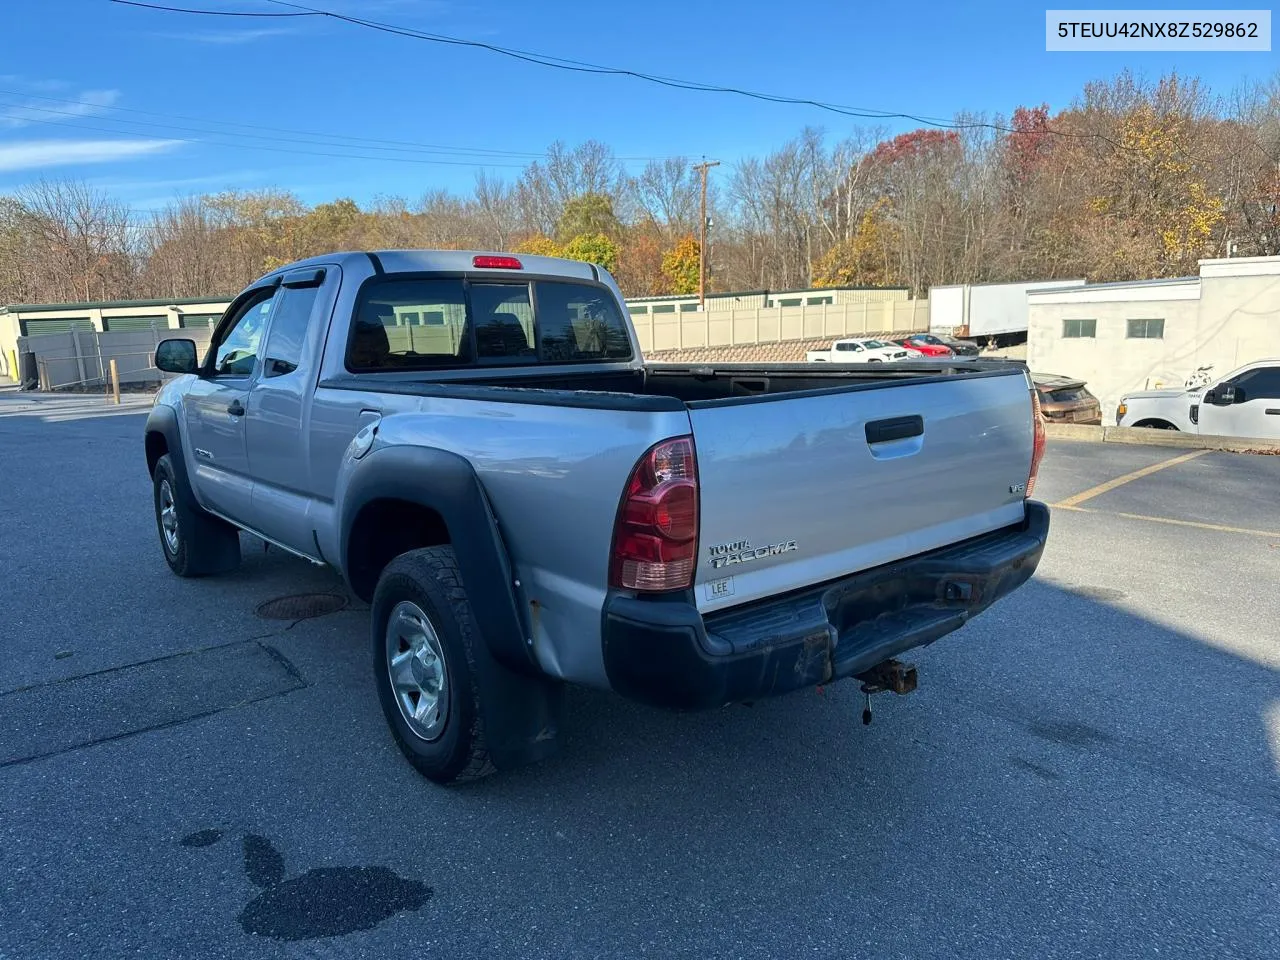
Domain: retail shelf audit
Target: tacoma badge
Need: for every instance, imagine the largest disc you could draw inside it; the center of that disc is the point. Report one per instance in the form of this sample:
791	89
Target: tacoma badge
741	551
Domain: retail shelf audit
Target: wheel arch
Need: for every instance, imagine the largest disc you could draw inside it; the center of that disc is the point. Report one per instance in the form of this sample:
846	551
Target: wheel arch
401	498
163	435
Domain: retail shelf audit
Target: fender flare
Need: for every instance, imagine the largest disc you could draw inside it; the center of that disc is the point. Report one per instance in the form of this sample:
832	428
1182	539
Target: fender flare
447	483
520	704
163	420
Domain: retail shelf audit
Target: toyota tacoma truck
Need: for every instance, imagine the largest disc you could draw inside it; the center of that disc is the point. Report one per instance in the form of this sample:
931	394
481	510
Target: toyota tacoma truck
476	444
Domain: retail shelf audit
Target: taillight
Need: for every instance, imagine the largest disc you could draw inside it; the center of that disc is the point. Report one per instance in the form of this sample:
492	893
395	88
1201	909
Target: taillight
655	539
1038	444
497	263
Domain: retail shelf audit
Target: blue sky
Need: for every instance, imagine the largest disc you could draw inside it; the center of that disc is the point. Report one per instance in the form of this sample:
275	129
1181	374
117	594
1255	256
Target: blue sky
151	105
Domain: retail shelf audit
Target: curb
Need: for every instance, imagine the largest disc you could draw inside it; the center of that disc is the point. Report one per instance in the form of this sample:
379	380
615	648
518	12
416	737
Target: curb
1159	438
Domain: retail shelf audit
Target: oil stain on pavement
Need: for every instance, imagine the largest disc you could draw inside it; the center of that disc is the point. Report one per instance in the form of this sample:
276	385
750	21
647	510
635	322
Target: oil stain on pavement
323	902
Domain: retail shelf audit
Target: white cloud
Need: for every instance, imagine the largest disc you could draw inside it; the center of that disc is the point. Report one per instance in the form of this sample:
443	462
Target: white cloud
228	37
35	154
88	104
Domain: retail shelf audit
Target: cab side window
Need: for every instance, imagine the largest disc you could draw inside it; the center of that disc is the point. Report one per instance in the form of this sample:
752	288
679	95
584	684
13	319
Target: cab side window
288	332
1260	384
236	354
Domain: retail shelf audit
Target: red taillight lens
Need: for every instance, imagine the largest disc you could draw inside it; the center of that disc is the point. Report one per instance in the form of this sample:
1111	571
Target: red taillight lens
1038	444
497	263
655	540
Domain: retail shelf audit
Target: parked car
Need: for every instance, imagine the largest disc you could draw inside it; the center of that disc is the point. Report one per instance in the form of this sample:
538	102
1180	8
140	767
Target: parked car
1066	400
962	348
476	444
926	344
1244	403
862	350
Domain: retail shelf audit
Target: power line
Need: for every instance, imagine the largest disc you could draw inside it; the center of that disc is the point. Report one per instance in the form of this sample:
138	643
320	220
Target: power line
580	66
209	13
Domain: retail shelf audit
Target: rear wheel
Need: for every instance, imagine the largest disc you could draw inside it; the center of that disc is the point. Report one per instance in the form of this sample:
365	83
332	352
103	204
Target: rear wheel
424	642
195	543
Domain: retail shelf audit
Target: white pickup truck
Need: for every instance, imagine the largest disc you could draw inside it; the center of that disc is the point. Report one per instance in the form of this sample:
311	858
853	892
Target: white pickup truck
1244	403
862	351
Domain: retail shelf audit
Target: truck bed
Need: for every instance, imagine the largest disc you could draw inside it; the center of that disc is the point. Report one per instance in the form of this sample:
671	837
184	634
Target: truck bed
806	472
685	383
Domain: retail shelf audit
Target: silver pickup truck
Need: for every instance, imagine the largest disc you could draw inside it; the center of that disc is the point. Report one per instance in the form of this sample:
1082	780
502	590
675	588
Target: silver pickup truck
475	442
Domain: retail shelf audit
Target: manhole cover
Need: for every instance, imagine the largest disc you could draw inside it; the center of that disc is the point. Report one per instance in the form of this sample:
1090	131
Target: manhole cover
302	607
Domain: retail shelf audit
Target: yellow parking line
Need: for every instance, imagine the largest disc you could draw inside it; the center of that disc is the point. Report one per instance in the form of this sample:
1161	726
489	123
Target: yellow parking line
1275	535
1128	477
1218	527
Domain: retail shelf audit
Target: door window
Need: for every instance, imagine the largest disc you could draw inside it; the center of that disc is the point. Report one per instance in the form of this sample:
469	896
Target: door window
288	330
1260	384
236	354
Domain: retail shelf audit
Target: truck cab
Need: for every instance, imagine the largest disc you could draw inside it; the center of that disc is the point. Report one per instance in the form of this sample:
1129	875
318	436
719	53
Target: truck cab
1243	403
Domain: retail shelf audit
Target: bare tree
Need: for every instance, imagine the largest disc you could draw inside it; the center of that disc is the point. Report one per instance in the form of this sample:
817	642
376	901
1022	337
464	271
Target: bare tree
80	241
667	193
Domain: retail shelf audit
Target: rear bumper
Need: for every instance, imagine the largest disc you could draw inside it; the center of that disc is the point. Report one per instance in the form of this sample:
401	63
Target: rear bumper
665	653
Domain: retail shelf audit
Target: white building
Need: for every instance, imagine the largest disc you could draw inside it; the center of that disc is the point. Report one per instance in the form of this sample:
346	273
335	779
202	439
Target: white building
1120	337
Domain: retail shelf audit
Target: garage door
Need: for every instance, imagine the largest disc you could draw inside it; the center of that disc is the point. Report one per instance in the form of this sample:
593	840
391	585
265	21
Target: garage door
116	324
35	328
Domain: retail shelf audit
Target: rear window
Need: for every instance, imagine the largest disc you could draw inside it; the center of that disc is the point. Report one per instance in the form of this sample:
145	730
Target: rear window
425	323
1065	394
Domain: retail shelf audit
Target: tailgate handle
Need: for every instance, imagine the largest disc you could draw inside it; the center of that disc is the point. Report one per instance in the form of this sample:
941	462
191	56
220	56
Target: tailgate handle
895	428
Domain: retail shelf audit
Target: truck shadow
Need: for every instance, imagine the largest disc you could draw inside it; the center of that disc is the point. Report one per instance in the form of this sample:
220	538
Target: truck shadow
1067	668
1060	736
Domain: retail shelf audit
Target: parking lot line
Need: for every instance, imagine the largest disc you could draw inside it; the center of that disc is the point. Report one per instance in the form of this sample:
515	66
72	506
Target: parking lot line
1199	525
1102	488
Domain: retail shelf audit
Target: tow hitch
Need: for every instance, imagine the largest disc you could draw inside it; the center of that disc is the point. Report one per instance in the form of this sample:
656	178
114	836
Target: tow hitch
890	675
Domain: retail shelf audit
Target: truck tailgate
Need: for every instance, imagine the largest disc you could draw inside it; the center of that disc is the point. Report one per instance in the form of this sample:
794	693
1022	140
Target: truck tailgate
800	489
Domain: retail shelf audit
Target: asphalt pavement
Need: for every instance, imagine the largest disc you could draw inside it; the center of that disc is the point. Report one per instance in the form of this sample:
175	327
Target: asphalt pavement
1088	769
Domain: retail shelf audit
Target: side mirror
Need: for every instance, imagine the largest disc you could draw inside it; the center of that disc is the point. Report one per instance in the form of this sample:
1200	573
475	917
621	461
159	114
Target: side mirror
176	356
1225	395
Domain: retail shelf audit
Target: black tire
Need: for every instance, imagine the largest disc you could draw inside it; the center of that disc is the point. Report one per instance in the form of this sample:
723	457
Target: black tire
202	545
429	579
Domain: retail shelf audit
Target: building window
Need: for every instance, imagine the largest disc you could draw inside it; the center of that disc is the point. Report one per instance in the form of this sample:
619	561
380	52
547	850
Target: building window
1146	330
790	302
1074	329
664	308
818	301
688	307
637	309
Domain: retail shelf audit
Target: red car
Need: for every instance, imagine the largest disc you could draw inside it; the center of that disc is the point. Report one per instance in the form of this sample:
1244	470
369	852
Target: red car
927	344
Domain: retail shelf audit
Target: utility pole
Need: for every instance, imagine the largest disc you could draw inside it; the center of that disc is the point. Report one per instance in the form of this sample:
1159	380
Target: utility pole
702	169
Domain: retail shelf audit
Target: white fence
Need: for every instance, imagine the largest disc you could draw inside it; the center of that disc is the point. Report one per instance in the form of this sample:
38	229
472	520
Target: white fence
82	359
725	328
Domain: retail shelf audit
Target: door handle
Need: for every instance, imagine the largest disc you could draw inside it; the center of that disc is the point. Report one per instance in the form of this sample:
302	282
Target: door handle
235	408
895	428
1272	411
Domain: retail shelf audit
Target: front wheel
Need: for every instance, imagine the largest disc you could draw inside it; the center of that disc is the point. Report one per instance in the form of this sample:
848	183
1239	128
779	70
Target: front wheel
424	642
195	543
